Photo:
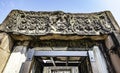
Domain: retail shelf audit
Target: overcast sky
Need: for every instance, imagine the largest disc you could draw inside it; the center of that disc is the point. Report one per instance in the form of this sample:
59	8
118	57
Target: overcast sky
81	6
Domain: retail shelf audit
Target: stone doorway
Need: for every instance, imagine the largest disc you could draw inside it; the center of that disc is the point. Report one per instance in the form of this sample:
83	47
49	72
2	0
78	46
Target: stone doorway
50	61
60	61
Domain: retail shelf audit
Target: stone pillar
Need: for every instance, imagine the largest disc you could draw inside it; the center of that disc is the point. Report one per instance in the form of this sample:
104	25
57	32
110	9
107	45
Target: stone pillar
6	45
28	64
99	65
115	61
16	60
113	43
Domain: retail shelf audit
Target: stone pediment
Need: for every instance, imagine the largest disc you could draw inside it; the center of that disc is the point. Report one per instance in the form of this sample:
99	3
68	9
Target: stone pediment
58	22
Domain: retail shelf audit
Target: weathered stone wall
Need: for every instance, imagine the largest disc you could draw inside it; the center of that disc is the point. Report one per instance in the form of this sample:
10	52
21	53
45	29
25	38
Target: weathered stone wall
6	44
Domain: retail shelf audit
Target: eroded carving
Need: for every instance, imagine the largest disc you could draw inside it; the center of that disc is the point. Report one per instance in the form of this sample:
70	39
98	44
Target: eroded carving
38	23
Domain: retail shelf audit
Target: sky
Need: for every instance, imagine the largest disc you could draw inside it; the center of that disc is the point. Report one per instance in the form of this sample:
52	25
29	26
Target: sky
73	6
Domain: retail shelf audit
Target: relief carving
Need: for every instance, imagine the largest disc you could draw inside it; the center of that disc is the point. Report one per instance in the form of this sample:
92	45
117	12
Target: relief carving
59	23
38	23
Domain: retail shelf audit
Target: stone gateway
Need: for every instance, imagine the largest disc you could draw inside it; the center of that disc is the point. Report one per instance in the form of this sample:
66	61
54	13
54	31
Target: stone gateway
59	42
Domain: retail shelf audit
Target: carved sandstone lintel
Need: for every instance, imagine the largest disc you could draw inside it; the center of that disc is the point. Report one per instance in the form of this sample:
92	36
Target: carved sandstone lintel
58	22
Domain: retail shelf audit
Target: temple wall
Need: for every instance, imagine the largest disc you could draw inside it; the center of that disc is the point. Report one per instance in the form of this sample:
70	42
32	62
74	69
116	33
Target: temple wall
5	49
